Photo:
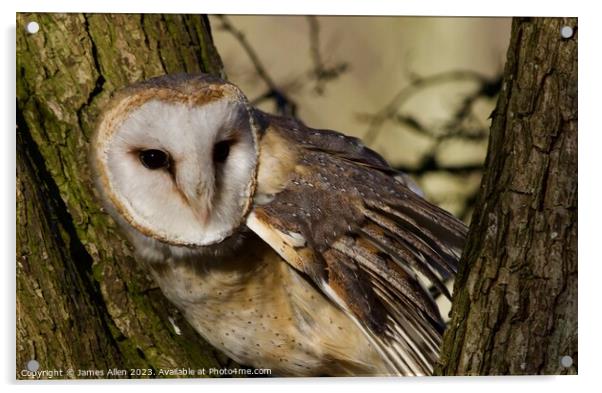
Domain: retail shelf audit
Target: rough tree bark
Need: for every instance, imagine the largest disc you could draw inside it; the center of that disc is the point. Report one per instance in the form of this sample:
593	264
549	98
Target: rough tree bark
515	297
82	301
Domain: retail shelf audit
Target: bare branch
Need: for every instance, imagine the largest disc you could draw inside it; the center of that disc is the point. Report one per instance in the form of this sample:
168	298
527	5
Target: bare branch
284	104
242	40
456	127
390	110
320	72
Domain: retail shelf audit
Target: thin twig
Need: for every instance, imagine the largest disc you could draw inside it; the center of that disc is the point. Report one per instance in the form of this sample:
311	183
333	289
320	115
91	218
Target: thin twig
418	83
284	104
454	128
314	44
320	72
242	40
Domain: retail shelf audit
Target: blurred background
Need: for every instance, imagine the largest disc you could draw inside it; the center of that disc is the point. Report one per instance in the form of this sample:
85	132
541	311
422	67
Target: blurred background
418	90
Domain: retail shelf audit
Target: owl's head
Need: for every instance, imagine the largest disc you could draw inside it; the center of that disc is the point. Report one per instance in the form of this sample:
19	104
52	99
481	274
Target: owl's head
176	157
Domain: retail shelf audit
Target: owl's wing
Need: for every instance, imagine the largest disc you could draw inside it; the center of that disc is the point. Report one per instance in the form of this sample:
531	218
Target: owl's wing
364	238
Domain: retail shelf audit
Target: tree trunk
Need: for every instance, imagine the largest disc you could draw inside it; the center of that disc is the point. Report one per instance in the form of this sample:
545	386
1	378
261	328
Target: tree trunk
82	301
515	297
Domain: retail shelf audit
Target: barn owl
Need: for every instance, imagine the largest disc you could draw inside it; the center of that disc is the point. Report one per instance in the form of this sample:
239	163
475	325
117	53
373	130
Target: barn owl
286	247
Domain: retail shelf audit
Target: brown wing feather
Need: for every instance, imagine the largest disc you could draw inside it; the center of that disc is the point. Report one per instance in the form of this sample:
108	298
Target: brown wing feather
362	236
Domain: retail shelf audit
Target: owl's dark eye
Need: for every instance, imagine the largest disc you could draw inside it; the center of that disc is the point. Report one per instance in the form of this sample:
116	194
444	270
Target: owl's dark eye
221	150
154	159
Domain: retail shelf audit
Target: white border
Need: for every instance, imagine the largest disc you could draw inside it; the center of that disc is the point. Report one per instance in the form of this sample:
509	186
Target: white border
589	190
330	7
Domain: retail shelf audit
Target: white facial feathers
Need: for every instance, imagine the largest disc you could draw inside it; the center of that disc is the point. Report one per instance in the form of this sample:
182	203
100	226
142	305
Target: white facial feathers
203	192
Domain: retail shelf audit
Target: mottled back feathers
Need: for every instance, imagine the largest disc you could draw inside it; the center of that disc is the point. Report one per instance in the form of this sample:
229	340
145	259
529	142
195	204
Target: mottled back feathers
362	236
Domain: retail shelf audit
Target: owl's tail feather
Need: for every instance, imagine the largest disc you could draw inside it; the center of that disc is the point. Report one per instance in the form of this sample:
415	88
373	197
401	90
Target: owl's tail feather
410	336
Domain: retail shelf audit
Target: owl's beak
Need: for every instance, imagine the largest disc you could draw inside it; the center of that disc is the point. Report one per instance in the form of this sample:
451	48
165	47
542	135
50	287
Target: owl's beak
201	205
201	213
200	200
